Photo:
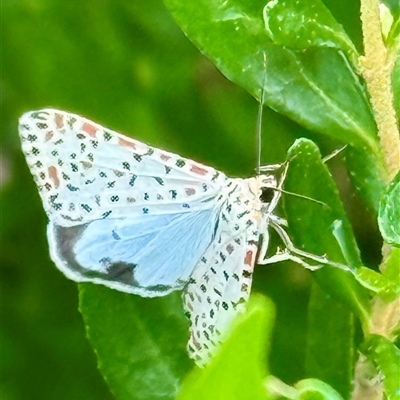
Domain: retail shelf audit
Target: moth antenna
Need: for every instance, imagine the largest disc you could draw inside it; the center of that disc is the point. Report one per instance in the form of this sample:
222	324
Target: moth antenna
301	196
333	154
260	116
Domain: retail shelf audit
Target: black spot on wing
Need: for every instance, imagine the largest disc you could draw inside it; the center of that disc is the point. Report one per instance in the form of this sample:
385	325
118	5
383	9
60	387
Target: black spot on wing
67	237
109	270
121	272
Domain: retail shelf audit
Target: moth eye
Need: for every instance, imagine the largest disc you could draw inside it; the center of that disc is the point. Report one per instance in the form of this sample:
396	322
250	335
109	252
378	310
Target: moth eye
267	194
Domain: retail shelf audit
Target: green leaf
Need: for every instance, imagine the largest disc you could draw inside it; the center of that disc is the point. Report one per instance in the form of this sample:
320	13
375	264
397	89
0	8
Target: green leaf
306	389
314	389
239	370
392	266
393	5
367	173
387	284
140	342
316	87
393	38
386	357
304	24
330	348
389	213
373	280
386	19
322	229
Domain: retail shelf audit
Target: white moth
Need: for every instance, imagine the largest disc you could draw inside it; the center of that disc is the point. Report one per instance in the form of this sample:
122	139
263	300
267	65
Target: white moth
141	220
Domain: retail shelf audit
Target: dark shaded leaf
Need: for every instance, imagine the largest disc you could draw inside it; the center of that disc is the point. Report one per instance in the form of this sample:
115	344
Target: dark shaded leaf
330	347
140	342
368	174
325	230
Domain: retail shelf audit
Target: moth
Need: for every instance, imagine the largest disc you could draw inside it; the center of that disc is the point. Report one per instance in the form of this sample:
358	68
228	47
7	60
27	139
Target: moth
145	221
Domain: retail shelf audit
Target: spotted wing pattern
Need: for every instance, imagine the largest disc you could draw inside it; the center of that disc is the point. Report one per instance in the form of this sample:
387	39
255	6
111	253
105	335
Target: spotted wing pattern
110	198
220	284
85	172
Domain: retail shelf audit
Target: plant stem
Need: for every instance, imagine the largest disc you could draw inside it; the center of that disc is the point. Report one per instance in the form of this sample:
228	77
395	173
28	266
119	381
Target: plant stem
378	66
377	69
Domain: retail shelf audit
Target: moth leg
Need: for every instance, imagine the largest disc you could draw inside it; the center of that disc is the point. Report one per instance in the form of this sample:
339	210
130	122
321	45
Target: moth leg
287	256
262	253
293	253
268	168
333	154
279	220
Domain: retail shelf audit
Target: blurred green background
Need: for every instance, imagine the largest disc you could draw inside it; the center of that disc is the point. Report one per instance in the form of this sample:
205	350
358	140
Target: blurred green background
127	65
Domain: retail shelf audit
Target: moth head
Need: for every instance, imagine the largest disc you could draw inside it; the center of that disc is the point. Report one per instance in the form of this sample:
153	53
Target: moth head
267	189
270	179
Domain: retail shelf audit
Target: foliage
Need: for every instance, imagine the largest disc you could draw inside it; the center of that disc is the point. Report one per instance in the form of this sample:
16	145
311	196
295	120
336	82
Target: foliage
389	213
127	65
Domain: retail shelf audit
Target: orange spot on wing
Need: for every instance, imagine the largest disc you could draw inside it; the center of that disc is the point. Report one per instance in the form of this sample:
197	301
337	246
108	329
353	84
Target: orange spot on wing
249	257
49	135
127	143
198	170
89	129
53	174
164	157
59	120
